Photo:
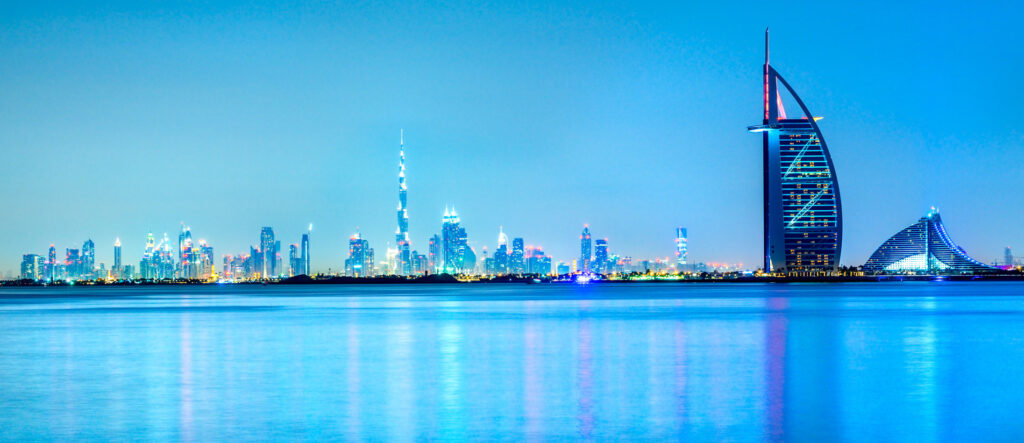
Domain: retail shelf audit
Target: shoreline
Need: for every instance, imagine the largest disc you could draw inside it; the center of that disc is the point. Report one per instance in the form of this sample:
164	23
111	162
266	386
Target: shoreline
449	279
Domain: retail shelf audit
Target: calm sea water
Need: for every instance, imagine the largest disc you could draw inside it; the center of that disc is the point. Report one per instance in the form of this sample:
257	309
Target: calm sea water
810	362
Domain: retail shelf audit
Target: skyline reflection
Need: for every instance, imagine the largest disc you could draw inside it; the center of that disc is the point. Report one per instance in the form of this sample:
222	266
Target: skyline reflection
671	362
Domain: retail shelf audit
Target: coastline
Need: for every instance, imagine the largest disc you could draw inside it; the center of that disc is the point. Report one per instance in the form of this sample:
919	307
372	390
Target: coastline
449	279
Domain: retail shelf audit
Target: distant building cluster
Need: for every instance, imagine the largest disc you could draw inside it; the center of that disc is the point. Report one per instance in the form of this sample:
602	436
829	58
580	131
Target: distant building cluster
448	252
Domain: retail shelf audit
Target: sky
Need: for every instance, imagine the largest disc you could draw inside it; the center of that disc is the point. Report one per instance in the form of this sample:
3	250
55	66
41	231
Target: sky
121	118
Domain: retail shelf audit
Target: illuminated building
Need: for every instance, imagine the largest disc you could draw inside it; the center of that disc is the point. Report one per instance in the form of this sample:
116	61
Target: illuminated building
294	260
803	217
585	246
681	246
117	259
157	261
454	244
600	263
31	267
404	258
278	263
72	263
501	262
305	251
420	264
563	268
923	247
205	257
185	259
360	257
517	260
269	249
537	262
51	264
468	257
435	254
88	259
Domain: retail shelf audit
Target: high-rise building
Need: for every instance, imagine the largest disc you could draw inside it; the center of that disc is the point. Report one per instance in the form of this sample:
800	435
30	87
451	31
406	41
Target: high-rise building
31	267
680	247
517	260
803	216
88	259
600	263
205	260
923	247
404	259
501	261
51	264
360	257
585	247
435	254
278	262
117	259
73	263
537	262
305	251
294	259
185	260
454	244
1008	257
420	265
269	249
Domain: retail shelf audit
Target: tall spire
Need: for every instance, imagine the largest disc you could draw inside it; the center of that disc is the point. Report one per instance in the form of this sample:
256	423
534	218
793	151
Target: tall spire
766	77
402	232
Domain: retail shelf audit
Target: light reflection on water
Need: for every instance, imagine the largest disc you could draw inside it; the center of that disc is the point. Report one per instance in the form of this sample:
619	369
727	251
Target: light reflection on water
911	362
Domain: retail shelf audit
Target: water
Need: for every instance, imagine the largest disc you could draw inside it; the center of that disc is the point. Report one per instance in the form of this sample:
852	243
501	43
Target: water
808	362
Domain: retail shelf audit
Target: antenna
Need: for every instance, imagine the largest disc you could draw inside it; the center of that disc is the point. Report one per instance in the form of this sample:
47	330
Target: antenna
766	46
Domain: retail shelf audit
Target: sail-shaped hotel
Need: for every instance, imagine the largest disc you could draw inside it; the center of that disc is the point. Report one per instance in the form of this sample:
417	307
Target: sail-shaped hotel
803	215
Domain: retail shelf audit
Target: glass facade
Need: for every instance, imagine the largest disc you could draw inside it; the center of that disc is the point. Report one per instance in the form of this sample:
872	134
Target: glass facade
803	221
923	247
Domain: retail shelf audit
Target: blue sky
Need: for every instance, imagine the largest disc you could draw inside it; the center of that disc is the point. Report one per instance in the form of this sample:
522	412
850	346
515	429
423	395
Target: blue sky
127	117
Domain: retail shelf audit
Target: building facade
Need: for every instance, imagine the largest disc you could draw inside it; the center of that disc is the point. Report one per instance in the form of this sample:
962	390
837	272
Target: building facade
404	257
681	247
585	250
923	248
803	217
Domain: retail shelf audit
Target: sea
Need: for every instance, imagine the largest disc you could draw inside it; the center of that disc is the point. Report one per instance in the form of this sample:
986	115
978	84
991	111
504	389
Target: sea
888	361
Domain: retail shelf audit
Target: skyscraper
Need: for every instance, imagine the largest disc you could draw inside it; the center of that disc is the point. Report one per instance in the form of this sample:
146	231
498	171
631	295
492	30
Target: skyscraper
1008	257
294	259
305	251
117	258
360	257
51	264
585	247
501	262
600	264
435	254
88	263
803	216
537	262
31	265
402	233
454	243
269	249
680	246
517	261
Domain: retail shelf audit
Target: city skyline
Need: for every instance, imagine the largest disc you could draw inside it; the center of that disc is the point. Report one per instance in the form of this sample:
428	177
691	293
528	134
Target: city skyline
69	178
